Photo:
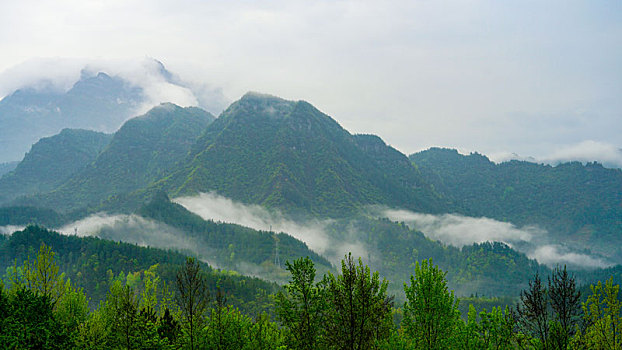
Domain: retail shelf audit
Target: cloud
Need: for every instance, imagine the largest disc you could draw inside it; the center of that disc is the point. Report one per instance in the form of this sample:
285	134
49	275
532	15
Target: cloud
553	255
131	229
158	84
458	230
211	206
586	151
9	229
313	232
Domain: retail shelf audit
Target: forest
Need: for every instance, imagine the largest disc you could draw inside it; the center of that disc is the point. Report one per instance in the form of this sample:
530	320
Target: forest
191	309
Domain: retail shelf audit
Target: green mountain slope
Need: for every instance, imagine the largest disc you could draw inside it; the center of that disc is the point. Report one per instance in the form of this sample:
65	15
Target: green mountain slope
51	161
579	203
93	263
142	151
232	246
291	156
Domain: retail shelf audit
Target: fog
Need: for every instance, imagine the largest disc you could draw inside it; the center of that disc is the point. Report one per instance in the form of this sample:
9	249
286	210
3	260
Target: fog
553	254
458	231
131	229
9	229
313	232
158	84
586	151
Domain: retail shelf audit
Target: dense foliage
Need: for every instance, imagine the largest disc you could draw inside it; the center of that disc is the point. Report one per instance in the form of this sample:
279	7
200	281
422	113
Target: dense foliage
95	264
41	308
230	245
577	203
289	155
51	161
142	151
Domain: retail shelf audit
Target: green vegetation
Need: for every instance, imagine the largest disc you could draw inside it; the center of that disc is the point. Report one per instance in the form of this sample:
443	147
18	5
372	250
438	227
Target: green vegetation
51	161
95	265
141	152
289	155
577	203
231	245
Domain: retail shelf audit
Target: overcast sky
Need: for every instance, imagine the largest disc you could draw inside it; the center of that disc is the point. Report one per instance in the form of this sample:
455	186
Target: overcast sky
538	78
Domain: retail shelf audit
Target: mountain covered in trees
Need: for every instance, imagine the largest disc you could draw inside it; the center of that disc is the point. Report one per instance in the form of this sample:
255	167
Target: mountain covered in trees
99	102
578	204
290	158
51	161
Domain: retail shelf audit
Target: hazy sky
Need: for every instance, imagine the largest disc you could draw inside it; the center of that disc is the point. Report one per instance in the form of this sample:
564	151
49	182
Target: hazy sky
539	78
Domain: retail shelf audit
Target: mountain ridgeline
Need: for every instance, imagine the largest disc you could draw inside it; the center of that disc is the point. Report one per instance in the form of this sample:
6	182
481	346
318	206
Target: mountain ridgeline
288	155
291	158
99	102
51	161
145	149
577	203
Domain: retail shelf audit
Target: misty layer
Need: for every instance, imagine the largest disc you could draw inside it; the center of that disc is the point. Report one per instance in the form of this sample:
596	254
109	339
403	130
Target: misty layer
131	229
460	231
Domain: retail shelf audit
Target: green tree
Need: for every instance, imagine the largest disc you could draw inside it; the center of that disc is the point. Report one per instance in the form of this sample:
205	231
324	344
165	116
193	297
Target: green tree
533	312
431	310
192	298
602	313
359	311
566	304
301	307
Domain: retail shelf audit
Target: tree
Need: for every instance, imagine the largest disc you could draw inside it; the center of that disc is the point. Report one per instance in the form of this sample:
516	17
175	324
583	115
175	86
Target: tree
301	308
533	311
359	311
602	313
192	298
431	310
41	276
565	302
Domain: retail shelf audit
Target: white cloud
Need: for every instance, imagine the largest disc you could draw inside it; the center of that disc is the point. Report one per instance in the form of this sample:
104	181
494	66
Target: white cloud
418	73
586	151
459	230
553	255
9	229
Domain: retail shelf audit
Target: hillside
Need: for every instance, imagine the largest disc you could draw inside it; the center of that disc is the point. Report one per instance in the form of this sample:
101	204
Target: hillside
288	155
51	161
98	102
142	151
93	264
580	204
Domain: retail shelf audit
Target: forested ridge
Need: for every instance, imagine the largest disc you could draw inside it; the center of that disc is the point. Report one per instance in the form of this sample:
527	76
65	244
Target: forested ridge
180	303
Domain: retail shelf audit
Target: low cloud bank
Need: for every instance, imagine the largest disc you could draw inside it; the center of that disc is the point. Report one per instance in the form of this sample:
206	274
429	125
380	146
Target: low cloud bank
9	229
313	232
211	206
130	229
587	151
552	255
458	230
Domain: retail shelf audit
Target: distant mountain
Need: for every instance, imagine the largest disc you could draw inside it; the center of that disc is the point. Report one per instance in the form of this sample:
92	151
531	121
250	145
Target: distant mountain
97	102
145	149
575	202
51	161
289	155
8	166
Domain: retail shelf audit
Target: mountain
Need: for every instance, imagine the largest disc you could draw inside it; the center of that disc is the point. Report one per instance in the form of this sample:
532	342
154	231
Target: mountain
288	155
8	166
145	149
232	246
98	102
576	203
94	264
51	161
